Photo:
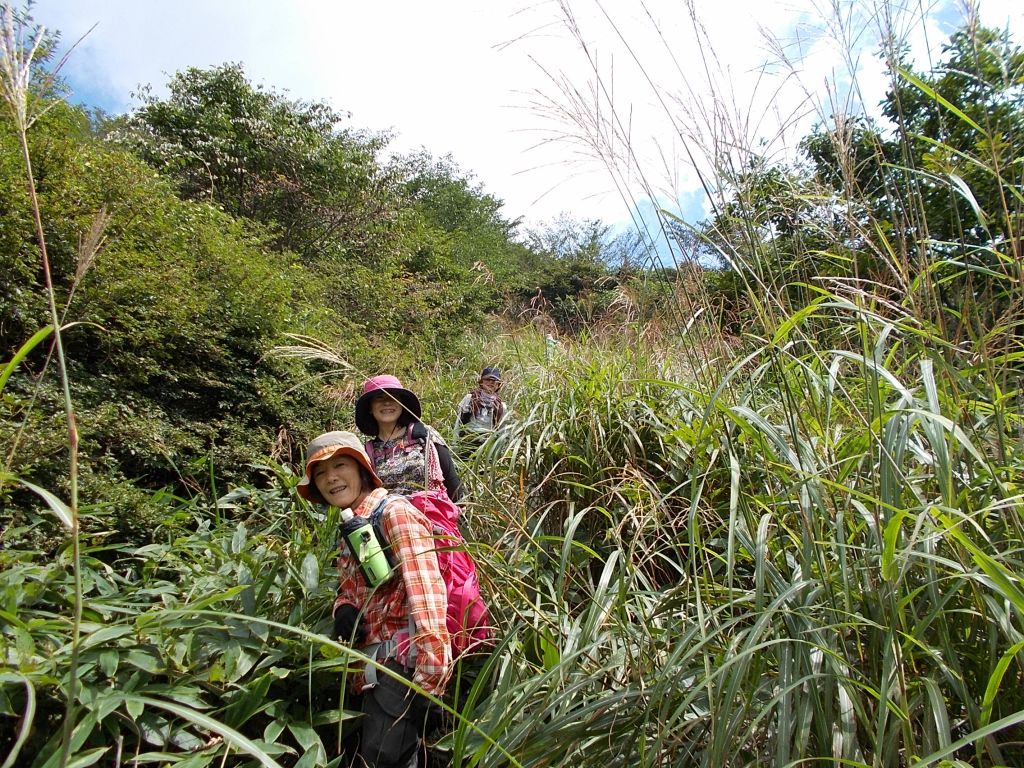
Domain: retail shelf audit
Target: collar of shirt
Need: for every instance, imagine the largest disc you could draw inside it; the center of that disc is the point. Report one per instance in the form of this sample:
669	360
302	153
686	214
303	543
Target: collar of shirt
370	502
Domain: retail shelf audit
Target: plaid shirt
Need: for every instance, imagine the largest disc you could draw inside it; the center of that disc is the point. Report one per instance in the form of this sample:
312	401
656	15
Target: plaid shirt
417	586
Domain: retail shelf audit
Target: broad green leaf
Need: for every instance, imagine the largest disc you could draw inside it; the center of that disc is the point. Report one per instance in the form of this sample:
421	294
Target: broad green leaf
154	727
214	726
310	572
311	758
89	757
219	597
133	707
106	634
22	353
145	660
79	735
305	735
238	540
199	760
273	730
550	651
109	662
249	700
185	740
59	508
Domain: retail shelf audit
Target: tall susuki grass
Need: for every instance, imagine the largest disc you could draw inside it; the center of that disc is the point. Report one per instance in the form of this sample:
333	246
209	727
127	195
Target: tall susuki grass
771	580
839	511
20	46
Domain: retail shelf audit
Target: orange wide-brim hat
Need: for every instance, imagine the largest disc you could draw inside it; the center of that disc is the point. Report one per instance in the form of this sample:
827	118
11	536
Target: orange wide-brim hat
327	446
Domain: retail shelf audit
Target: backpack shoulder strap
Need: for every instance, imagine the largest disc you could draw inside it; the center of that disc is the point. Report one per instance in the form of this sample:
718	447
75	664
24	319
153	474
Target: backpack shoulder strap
378	511
420	431
368	447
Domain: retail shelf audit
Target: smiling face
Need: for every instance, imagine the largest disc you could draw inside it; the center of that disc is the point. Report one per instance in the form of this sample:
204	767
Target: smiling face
490	385
385	409
339	481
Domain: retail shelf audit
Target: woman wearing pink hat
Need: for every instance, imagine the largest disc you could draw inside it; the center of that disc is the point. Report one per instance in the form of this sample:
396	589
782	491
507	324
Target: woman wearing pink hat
407	455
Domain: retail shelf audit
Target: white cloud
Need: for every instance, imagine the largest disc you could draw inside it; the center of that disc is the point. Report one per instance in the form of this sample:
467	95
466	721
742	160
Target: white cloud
506	88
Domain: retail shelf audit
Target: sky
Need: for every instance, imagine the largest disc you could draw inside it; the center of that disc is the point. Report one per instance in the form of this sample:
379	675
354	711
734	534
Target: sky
597	109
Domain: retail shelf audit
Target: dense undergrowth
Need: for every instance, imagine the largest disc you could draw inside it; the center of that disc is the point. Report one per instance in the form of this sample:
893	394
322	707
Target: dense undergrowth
780	523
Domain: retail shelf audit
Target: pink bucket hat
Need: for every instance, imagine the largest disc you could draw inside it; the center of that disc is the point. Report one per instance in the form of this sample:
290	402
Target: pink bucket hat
327	446
389	385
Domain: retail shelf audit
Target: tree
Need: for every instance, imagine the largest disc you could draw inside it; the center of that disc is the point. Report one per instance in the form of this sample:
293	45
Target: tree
287	164
458	218
934	194
174	306
962	126
570	278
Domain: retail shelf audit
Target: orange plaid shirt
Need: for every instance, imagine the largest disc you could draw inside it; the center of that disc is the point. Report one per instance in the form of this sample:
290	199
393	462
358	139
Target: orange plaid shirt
416	587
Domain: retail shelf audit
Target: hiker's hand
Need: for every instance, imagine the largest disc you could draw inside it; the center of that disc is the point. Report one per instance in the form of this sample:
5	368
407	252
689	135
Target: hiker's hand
347	627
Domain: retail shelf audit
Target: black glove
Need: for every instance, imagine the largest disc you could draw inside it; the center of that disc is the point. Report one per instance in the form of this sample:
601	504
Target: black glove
347	626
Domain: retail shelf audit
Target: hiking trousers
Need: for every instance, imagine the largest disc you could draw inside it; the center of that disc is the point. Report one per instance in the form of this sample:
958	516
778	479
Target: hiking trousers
391	731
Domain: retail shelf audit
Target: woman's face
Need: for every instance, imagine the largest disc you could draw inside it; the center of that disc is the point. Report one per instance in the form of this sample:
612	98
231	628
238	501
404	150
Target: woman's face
385	409
339	481
490	385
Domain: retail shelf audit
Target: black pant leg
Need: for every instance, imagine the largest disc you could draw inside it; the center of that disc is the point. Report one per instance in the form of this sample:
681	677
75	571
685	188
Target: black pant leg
392	726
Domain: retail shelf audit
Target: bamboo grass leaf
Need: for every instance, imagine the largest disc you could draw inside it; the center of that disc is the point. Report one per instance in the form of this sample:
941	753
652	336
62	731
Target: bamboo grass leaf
995	681
59	508
795	319
891	538
22	353
27	718
87	758
1003	579
207	723
931	93
953	429
968	195
978	734
937	708
310	572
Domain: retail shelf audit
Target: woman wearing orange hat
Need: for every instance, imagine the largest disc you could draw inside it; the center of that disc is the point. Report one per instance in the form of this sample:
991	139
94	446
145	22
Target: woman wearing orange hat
400	622
406	454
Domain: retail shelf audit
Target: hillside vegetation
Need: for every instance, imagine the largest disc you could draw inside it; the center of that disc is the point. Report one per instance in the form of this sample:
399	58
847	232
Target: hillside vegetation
767	512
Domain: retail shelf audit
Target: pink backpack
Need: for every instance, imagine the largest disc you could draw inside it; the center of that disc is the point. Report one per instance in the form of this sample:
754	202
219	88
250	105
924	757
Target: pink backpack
468	621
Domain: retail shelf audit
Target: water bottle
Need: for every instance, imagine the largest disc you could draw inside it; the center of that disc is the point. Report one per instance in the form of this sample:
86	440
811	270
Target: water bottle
361	537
